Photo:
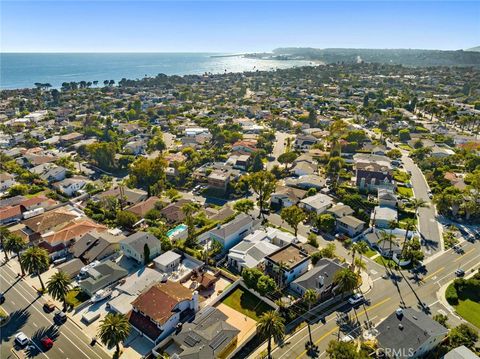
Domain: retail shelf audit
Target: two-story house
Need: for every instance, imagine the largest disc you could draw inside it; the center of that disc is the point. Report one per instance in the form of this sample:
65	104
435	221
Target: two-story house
157	312
287	264
231	233
134	246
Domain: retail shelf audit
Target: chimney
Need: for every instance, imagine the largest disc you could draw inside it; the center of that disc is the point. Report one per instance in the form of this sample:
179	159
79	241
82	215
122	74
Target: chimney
195	302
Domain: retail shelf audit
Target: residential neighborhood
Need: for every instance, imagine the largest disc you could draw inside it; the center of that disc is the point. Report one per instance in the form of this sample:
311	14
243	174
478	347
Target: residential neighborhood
295	213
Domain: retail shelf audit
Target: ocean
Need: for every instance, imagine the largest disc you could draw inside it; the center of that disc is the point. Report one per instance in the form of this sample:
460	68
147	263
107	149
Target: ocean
22	70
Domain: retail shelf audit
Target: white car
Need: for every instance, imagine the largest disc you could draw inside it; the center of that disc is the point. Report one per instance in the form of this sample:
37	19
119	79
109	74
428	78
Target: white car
355	299
399	311
21	339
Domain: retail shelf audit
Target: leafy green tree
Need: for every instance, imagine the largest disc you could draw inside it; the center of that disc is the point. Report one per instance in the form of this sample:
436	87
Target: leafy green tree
265	285
462	334
263	184
114	328
271	325
251	276
358	247
156	143
35	260
244	205
103	154
15	244
310	297
148	173
257	164
287	158
189	209
58	287
293	215
126	219
18	190
344	350
325	222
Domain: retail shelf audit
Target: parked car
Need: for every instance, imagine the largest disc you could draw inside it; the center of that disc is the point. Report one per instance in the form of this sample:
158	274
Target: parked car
21	339
60	317
356	298
47	343
49	307
2	298
399	312
459	272
315	230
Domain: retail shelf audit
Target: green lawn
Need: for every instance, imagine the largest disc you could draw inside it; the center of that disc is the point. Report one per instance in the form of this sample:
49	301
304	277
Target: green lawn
468	306
370	253
246	303
469	310
400	176
405	191
406	147
75	297
392	263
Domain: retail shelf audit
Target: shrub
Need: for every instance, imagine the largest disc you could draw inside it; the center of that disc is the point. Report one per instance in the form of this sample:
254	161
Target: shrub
451	295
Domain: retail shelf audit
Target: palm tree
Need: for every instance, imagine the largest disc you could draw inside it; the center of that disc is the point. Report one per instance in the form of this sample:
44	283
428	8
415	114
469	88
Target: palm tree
4	232
409	226
310	297
15	244
271	325
418	203
35	260
357	247
387	237
114	329
345	280
58	287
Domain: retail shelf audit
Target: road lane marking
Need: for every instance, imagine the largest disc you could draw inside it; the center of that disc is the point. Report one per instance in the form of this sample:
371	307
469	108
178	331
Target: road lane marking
330	332
431	275
61	351
336	328
464	254
64	327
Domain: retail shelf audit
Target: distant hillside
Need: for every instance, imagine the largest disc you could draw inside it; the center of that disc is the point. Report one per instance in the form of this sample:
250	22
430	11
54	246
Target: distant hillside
475	49
406	57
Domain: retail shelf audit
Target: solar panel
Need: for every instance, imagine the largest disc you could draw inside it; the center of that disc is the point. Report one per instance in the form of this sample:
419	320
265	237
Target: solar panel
218	340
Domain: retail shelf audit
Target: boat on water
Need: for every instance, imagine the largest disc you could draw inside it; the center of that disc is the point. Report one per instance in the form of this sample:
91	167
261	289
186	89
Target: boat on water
101	294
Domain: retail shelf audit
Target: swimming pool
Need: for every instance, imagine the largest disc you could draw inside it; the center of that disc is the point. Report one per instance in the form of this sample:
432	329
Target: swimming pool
174	232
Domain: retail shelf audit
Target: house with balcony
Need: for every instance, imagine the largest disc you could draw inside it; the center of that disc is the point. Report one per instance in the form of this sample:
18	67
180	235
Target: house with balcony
287	264
158	311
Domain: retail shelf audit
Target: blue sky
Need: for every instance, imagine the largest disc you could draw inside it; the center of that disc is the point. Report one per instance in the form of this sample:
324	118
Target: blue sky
229	26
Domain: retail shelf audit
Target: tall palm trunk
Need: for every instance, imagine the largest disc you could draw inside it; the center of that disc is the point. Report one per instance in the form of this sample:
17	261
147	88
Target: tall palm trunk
269	348
117	350
20	262
41	281
308	324
3	248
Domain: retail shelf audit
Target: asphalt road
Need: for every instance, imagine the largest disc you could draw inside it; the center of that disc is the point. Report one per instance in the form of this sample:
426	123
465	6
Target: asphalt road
427	217
27	315
387	295
278	147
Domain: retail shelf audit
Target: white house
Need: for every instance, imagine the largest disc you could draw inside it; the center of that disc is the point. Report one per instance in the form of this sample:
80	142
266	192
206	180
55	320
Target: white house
70	186
382	216
287	264
318	203
233	232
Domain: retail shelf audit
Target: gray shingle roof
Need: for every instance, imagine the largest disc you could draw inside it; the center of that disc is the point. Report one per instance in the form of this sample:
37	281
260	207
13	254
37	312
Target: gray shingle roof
138	240
409	330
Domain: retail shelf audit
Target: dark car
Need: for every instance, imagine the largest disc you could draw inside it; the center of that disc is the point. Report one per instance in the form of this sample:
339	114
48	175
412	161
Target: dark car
49	307
60	317
2	298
